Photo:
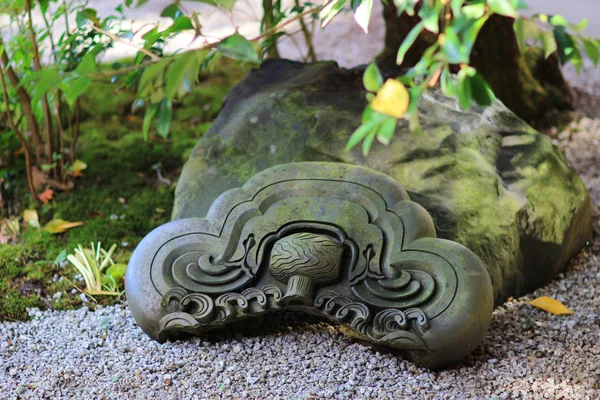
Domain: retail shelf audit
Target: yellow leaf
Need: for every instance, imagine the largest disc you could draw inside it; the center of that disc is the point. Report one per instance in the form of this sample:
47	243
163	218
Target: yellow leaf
60	226
31	217
392	99
551	305
77	167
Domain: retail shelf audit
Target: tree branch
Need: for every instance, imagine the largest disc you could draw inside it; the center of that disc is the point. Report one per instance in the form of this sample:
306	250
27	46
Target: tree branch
24	145
24	99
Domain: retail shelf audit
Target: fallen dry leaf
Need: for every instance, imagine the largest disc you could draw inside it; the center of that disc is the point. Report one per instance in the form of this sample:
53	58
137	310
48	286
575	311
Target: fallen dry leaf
6	239
551	305
46	195
31	217
77	168
9	230
60	226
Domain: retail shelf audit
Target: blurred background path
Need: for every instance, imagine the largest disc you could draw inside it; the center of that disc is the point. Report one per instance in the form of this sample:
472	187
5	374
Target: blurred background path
342	40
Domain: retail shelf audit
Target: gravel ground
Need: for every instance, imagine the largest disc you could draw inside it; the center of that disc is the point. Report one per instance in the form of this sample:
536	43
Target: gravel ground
527	354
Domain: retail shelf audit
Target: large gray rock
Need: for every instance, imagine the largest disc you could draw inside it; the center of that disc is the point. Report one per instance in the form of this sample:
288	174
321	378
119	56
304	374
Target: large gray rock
489	180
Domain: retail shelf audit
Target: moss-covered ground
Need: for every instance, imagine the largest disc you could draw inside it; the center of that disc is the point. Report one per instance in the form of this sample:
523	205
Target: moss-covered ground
126	191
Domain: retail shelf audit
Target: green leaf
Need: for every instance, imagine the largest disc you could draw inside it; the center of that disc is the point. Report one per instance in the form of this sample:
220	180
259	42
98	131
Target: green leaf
181	24
408	41
559	20
430	16
148	117
182	73
447	83
172	11
387	130
580	26
332	9
503	7
86	15
46	81
152	73
238	47
548	43
75	89
481	91
116	272
452	48
592	48
407	6
44	5
463	89
519	28
372	78
361	132
565	44
165	111
576	59
470	35
47	167
368	141
362	14
475	10
87	65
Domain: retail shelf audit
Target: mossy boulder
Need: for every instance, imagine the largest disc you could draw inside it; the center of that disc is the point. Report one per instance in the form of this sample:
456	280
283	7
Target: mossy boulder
489	180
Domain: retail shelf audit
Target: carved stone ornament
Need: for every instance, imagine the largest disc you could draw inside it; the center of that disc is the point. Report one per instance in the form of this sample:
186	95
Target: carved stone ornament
332	239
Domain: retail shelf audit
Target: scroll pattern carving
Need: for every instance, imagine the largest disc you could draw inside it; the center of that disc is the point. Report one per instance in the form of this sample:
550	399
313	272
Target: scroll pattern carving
352	248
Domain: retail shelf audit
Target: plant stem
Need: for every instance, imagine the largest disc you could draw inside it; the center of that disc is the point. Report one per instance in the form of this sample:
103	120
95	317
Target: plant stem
38	67
312	57
25	101
24	145
118	39
267	24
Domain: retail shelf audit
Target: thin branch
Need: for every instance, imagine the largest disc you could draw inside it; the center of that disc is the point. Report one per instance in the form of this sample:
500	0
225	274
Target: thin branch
312	57
24	99
66	16
38	67
267	24
52	45
128	42
24	145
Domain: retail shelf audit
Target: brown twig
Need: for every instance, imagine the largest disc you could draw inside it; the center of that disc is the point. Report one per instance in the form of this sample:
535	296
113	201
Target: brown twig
267	24
76	287
128	42
312	57
38	67
24	145
61	134
24	99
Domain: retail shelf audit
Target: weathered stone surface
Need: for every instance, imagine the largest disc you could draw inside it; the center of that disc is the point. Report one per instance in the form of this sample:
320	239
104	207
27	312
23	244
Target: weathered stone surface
489	180
332	239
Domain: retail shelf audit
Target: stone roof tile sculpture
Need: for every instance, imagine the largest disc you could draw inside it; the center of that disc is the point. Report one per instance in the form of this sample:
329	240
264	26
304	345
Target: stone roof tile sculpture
332	239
